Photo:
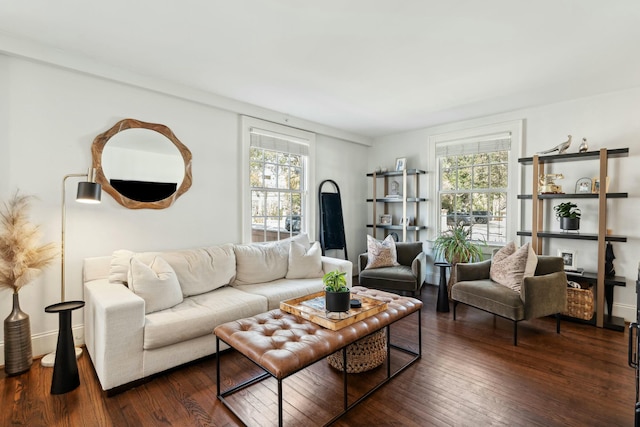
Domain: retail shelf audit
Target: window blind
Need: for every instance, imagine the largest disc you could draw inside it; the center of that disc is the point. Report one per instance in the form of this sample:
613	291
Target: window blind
284	144
474	145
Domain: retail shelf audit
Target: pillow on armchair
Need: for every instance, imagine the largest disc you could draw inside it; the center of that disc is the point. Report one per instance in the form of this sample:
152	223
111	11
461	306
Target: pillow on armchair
510	266
381	253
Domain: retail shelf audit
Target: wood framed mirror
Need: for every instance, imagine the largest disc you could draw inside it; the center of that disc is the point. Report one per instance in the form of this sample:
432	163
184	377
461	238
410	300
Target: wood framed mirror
141	165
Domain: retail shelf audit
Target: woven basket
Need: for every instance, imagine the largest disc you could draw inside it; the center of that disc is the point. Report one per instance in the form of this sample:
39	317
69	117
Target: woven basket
363	355
580	303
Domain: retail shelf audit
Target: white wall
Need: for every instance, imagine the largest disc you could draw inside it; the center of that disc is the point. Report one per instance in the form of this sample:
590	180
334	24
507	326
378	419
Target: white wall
49	117
607	121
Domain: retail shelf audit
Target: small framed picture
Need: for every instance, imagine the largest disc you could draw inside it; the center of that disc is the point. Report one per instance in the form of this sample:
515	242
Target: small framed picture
568	259
584	185
596	185
385	219
401	164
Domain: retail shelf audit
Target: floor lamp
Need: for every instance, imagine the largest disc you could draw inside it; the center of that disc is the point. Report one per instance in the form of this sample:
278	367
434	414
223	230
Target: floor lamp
88	192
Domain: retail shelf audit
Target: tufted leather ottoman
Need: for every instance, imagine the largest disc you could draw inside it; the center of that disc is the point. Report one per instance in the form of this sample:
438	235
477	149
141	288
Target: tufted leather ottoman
282	344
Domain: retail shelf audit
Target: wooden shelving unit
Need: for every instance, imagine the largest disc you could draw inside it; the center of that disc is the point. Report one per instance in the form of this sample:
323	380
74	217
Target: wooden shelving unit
537	233
410	202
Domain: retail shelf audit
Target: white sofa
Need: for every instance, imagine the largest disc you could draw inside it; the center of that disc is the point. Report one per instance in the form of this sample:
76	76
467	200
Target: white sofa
132	327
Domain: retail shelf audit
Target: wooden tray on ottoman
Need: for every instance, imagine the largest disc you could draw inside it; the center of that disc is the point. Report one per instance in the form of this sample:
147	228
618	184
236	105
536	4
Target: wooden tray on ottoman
311	308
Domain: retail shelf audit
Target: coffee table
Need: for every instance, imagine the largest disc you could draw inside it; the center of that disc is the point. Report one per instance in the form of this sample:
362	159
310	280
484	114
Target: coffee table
282	344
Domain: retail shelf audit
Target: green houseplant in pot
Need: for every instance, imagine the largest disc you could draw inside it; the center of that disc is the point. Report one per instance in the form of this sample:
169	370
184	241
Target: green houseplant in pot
337	294
22	258
456	245
568	214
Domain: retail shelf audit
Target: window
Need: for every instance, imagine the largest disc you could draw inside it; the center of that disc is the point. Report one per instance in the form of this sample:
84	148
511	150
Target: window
473	184
278	170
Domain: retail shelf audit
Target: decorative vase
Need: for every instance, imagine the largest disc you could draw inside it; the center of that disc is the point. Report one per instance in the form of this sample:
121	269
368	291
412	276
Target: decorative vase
18	356
569	223
337	301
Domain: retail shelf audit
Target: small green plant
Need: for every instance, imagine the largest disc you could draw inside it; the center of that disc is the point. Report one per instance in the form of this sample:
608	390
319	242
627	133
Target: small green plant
567	210
335	281
455	245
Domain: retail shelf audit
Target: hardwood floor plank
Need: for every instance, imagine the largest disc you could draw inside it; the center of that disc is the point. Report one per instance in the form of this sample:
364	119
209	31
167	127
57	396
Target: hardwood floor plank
470	374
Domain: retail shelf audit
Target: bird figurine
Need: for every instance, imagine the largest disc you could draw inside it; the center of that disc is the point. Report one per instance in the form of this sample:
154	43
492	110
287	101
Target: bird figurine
583	146
560	148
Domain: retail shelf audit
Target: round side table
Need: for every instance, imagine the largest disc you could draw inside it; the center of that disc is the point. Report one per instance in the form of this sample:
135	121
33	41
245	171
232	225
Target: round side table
443	298
65	368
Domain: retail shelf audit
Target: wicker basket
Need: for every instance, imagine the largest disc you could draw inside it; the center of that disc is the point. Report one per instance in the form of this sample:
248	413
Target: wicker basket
580	303
363	355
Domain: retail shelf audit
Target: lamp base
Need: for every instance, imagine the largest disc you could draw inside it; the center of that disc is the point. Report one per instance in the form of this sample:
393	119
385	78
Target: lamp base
48	360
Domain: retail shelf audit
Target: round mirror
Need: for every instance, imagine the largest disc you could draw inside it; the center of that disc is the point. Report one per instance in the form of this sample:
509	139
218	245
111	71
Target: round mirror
141	165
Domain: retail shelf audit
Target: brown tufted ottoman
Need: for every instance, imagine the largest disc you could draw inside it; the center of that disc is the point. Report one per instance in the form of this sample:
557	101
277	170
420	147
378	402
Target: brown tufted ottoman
283	344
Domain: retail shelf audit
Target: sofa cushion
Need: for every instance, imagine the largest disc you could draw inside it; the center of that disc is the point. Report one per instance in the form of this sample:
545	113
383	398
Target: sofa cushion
304	264
283	289
490	296
258	263
199	270
510	265
381	253
397	278
198	315
156	283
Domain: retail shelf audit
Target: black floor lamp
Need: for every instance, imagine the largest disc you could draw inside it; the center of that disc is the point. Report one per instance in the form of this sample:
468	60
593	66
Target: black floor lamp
88	192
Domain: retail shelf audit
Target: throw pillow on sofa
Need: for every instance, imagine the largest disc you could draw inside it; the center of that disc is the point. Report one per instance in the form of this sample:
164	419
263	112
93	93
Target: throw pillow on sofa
156	283
304	264
381	253
510	266
199	270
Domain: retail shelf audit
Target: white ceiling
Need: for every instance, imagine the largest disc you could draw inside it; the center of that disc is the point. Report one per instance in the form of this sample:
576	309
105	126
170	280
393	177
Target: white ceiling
371	67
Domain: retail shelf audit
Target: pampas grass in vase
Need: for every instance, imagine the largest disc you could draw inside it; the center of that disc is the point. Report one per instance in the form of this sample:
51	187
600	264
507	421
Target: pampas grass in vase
22	259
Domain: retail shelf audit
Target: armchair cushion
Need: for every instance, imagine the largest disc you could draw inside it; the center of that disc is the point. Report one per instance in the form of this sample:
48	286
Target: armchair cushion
381	253
510	265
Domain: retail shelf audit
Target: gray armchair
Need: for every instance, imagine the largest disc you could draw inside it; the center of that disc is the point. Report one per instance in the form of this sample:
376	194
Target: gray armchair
406	277
543	294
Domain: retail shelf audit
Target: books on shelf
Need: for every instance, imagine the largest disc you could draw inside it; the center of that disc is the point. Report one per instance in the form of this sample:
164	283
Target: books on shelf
574	271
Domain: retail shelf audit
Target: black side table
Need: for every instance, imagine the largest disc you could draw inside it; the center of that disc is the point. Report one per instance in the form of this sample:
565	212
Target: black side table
65	368
443	297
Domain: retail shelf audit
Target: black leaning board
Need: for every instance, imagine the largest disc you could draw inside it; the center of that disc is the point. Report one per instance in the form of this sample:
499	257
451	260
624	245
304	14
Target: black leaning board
332	222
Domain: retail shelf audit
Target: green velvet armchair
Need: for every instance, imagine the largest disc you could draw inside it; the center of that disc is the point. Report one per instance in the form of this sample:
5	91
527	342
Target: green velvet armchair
544	294
406	277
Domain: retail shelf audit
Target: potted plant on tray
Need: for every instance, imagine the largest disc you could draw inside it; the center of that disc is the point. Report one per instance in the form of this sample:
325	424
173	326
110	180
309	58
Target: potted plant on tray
568	214
337	294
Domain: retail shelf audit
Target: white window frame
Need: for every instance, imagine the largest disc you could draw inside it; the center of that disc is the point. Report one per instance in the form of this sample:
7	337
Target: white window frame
300	136
514	128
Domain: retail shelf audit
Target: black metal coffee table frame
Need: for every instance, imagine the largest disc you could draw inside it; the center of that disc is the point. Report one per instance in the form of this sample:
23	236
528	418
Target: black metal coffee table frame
346	406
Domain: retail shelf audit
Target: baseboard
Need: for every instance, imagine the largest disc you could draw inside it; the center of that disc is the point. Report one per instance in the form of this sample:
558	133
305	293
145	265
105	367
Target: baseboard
45	343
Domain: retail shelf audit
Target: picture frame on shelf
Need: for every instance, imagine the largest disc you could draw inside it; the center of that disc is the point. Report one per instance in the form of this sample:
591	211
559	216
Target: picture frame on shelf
568	259
584	185
596	185
401	164
385	219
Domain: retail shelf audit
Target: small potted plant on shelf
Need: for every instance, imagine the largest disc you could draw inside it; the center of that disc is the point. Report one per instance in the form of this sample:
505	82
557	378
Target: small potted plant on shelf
568	214
337	294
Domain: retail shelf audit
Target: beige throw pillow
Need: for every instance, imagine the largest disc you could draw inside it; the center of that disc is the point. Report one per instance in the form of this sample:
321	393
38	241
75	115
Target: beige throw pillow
157	284
305	264
510	265
381	253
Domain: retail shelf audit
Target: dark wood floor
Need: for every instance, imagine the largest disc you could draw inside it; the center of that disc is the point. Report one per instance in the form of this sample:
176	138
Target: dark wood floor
469	375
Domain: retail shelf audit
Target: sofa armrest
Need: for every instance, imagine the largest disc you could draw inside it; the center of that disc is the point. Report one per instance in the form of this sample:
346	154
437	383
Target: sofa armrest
544	295
114	331
473	270
418	267
331	264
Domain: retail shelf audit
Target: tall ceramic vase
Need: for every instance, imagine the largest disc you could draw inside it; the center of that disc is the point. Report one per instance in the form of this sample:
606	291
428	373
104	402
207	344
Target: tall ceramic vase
18	355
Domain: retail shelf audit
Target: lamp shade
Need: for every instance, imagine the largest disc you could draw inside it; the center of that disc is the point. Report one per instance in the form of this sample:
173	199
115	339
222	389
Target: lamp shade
89	192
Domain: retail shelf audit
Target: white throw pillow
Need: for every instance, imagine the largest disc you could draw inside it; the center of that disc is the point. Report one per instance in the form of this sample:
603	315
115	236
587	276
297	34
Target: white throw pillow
381	253
259	263
304	264
510	265
157	284
119	269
